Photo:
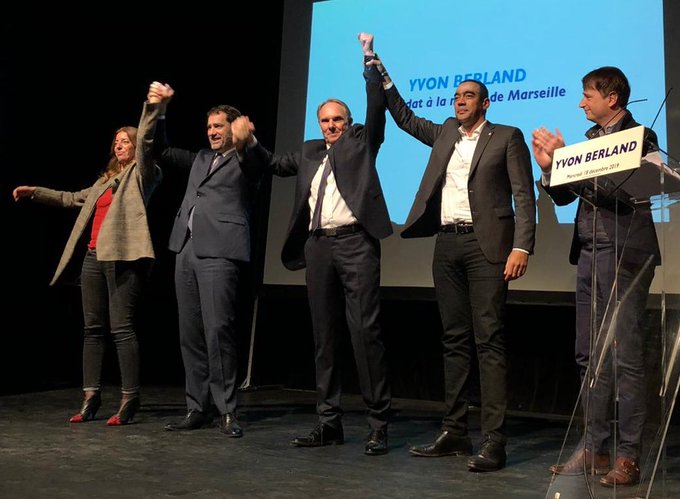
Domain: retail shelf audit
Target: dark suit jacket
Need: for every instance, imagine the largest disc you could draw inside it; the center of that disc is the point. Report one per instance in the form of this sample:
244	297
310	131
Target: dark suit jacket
353	161
223	200
617	217
500	171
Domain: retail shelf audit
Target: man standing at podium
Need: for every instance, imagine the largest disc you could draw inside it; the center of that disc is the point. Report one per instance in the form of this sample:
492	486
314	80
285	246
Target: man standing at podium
615	248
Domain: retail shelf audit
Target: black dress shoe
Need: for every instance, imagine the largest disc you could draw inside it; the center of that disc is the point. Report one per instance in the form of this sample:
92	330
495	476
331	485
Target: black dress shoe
192	421
376	444
446	444
491	457
322	434
229	426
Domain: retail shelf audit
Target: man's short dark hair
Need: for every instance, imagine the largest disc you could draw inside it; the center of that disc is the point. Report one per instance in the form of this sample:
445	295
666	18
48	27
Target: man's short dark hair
231	112
483	91
606	80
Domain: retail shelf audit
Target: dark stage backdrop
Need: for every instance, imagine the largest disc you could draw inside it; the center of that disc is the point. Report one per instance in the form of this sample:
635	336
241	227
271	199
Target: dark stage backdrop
65	87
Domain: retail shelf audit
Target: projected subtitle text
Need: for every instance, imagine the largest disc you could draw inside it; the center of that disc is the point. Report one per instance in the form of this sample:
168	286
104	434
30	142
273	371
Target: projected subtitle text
507	76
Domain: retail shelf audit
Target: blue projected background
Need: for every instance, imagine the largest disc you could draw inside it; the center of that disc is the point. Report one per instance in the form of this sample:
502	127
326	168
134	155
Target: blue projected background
428	47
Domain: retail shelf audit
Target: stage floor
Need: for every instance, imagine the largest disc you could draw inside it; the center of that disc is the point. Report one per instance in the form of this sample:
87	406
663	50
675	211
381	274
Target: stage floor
43	456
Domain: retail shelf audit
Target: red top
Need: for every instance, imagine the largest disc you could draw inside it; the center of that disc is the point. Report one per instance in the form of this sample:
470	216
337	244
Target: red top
103	204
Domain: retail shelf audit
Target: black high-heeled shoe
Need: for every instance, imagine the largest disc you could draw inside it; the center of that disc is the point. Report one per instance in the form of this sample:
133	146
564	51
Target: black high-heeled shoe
89	409
126	413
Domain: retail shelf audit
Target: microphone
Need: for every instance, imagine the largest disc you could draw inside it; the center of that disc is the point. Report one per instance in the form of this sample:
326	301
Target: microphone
604	184
648	143
114	187
663	102
594	132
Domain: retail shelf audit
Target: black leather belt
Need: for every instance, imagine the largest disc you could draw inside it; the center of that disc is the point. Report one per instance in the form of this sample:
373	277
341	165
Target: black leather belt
458	228
338	231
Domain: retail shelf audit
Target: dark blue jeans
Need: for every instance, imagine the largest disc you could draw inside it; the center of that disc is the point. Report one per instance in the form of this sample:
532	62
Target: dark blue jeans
110	293
622	376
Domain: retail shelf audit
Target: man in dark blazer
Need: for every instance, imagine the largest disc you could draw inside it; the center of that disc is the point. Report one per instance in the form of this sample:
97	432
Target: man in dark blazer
615	238
475	172
341	252
211	236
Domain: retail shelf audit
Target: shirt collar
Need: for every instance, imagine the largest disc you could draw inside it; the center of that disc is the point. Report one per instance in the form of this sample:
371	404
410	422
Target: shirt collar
475	133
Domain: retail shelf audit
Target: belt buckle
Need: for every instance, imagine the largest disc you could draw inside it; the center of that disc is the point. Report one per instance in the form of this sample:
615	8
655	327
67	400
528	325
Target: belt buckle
331	231
457	228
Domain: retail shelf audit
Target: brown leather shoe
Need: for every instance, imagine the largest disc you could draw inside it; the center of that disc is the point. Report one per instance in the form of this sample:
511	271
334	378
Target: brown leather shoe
376	444
625	472
583	460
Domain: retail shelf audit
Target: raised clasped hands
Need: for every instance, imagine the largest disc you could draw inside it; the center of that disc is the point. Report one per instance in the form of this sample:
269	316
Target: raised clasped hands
366	40
242	132
160	93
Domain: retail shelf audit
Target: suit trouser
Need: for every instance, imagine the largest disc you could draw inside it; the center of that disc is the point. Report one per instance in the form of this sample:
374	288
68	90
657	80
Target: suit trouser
625	375
206	302
343	284
471	295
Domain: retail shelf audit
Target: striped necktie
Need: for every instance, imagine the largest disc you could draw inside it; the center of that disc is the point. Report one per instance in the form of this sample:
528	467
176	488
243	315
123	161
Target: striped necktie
316	218
214	163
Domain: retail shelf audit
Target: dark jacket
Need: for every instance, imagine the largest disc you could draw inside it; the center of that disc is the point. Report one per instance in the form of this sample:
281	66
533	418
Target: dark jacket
630	225
500	171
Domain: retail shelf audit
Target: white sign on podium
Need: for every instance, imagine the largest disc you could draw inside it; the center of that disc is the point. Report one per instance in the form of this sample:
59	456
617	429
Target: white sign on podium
604	155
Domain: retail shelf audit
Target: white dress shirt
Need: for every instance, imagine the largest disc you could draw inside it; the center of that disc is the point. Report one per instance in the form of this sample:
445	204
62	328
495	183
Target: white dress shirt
455	200
334	209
